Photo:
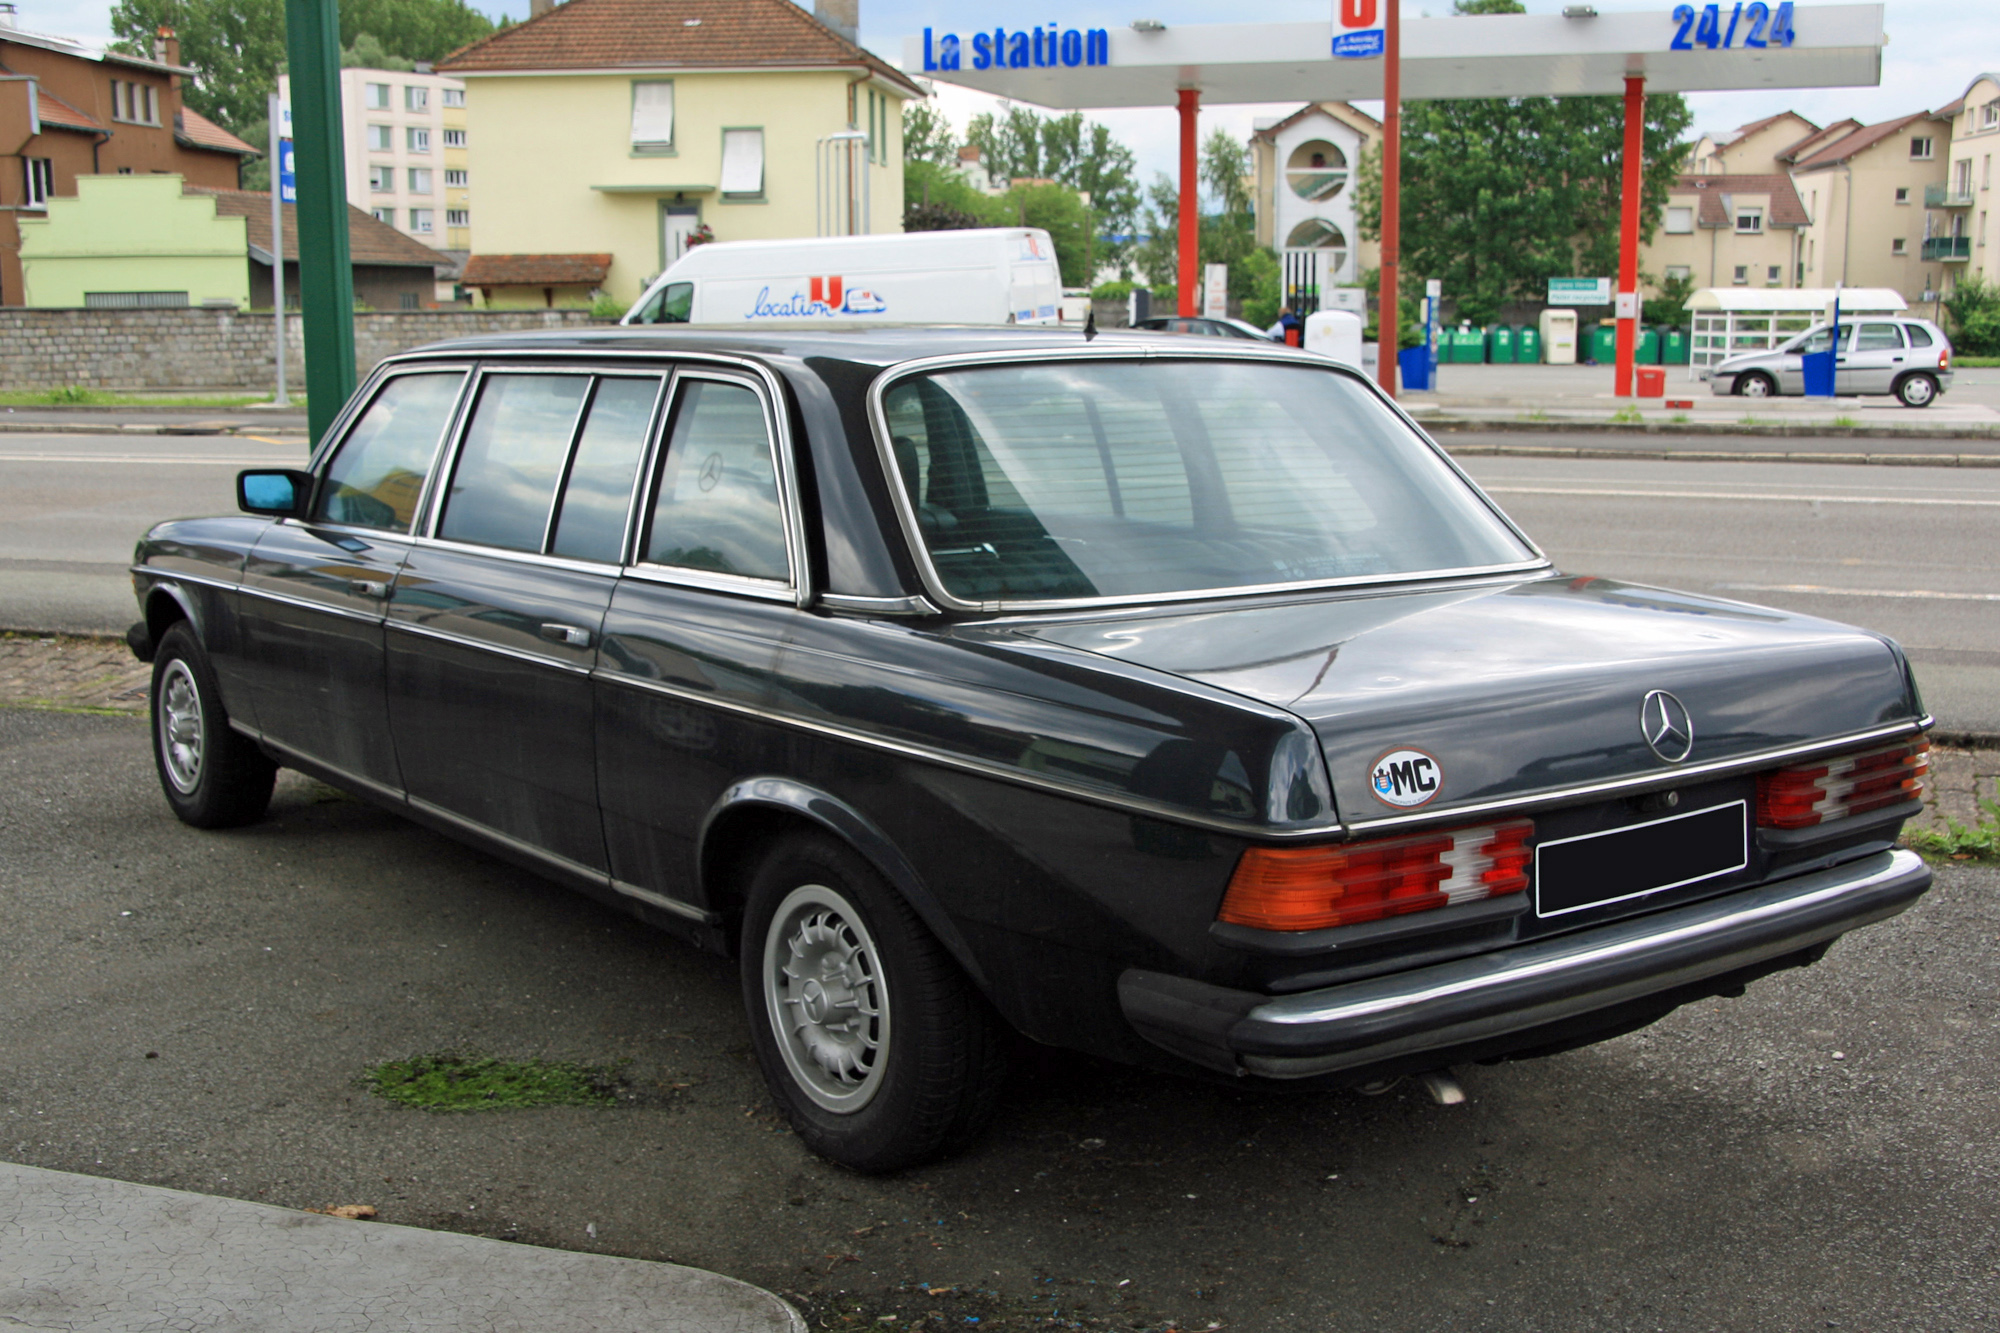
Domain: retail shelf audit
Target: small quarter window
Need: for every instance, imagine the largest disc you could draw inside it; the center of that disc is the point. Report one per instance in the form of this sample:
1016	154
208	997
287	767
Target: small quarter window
716	506
1919	335
505	481
378	475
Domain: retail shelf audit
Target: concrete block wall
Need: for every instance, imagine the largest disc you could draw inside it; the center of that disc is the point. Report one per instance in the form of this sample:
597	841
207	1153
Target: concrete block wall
221	351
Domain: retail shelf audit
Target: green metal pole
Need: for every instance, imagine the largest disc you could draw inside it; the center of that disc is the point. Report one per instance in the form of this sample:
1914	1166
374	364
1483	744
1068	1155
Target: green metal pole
326	274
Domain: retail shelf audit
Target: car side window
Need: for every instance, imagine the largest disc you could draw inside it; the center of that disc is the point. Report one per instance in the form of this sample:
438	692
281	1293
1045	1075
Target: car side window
377	477
504	482
1919	335
1878	338
716	502
590	524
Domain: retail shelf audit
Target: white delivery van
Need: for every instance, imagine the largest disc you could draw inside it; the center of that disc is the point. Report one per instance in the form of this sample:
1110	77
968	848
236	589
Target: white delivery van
998	275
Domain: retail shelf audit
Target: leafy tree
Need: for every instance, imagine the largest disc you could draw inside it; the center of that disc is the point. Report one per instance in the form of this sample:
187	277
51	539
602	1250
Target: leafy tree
1078	153
927	135
1974	307
1670	306
368	53
937	198
1228	223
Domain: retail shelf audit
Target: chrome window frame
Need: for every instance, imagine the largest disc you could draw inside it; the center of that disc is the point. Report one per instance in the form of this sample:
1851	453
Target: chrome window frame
331	443
934	586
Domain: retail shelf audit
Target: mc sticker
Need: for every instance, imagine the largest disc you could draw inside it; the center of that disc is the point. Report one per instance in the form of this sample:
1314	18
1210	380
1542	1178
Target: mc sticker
1406	779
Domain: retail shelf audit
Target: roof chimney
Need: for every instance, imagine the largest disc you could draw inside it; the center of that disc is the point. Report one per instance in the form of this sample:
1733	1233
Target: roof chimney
843	16
167	47
537	8
6	15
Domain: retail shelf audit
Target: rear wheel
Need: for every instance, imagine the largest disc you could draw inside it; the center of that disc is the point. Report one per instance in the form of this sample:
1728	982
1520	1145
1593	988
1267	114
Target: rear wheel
1916	390
212	777
871	1039
1756	384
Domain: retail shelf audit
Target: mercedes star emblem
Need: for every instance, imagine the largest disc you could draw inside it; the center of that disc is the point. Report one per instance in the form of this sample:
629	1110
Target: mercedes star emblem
1664	722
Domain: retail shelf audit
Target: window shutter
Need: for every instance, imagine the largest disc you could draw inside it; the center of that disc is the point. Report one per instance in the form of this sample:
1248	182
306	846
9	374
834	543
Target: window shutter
652	113
743	161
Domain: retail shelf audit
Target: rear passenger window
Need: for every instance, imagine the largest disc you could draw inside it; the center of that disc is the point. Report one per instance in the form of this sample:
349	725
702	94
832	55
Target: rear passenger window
716	506
1919	335
1878	338
503	488
378	475
591	522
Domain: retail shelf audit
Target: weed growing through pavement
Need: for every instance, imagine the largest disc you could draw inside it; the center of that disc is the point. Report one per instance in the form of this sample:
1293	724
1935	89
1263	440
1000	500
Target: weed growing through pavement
1679	418
1847	423
1956	842
1536	415
1753	421
455	1082
1627	415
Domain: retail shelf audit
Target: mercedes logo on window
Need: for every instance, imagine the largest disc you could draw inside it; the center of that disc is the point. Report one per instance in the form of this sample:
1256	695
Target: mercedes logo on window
1664	722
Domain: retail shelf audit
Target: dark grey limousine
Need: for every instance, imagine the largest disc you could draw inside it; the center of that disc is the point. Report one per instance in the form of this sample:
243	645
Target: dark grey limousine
1177	702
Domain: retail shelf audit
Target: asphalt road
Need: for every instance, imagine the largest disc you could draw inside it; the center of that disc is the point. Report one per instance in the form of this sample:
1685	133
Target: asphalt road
194	1010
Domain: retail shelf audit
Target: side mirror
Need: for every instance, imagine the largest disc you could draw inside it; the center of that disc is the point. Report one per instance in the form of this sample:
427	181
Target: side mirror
274	493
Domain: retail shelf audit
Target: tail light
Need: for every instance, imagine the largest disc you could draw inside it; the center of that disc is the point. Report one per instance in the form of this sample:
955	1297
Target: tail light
1311	888
1853	784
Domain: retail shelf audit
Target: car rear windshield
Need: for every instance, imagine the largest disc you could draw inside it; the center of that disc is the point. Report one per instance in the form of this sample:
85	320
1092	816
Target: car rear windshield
1059	480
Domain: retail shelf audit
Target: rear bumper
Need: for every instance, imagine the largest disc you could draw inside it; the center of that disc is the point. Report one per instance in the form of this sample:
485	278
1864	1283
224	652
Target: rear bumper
1530	989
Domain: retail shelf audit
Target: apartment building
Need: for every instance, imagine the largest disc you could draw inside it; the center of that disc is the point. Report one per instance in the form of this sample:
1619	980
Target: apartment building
68	110
1730	230
1869	196
1965	238
406	144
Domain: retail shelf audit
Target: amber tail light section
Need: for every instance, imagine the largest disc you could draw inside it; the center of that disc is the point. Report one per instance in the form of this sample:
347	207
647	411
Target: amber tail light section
1312	888
1853	784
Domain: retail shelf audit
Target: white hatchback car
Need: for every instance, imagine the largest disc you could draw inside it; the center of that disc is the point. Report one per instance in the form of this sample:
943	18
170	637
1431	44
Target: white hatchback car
1910	358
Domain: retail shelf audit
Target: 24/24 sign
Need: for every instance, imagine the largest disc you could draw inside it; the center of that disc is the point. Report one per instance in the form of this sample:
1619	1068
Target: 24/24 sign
1757	24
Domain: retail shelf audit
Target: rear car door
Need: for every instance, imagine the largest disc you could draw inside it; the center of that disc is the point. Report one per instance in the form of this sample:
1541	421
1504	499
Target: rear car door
315	591
493	633
1878	356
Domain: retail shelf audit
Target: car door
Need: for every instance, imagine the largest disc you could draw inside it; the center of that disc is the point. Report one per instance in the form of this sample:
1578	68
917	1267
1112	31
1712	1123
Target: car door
493	633
316	591
695	629
1877	358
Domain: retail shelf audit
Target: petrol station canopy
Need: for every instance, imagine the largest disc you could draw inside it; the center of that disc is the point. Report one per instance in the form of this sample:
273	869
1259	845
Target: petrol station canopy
1499	55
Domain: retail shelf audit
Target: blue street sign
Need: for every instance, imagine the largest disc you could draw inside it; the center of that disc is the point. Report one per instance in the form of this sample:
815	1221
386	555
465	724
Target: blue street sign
288	181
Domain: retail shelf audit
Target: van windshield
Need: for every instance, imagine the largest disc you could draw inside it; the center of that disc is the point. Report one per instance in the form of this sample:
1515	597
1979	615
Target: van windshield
1128	479
671	304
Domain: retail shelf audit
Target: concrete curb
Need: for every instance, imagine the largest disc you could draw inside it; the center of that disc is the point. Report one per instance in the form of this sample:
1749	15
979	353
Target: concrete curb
90	1255
146	428
1445	419
1717	455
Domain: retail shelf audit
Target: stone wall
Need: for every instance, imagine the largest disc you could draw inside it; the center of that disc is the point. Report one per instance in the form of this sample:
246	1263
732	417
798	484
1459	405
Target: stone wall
223	351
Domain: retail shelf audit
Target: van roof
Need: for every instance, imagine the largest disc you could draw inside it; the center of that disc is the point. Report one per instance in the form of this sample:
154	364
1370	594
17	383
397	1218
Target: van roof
832	251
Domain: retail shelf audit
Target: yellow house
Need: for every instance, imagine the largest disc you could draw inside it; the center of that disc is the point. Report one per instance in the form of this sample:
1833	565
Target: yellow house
1871	196
633	127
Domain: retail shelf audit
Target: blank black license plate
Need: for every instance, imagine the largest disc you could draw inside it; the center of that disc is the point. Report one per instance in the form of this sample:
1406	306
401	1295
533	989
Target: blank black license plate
1594	869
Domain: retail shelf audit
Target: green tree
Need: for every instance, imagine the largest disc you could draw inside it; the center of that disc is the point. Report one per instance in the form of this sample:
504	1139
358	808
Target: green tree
1670	305
927	135
1974	308
1080	154
1227	219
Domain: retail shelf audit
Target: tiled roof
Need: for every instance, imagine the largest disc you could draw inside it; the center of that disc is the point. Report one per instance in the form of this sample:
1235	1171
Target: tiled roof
368	241
666	34
1271	131
56	112
1745	131
1785	209
536	270
1866	137
194	130
1817	140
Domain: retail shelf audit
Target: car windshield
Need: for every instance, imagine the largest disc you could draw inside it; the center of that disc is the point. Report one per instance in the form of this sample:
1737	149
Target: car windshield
1141	478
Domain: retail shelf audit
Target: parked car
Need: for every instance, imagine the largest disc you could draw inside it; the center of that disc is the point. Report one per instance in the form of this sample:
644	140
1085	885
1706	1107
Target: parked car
1910	358
1175	700
1206	327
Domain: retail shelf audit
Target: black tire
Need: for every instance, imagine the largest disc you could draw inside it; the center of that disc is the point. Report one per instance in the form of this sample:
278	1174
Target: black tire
1918	390
899	1059
1756	384
212	777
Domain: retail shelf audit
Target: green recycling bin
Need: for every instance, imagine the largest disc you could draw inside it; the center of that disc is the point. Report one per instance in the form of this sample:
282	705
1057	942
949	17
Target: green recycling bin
1604	344
1468	346
1648	351
1674	347
1500	345
1528	346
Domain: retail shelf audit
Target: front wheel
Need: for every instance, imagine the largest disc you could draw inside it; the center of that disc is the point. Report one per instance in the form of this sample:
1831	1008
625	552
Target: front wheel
212	777
1756	384
1916	390
874	1044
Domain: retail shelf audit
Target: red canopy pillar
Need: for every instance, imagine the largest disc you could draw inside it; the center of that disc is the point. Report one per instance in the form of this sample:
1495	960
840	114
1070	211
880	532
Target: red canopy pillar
1388	336
1190	213
1627	309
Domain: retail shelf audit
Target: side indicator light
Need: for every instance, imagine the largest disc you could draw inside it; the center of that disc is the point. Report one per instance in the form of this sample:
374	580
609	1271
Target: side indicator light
1312	888
1854	784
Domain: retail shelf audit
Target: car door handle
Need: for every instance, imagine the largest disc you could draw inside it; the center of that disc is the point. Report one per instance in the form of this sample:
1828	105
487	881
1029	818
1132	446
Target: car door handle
573	635
369	588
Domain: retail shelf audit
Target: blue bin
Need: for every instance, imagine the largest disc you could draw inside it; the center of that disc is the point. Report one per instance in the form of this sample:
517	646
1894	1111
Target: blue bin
1415	365
1818	368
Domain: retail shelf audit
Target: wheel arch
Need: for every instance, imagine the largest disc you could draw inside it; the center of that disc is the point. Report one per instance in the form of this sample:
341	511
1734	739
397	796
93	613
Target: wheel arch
167	604
746	815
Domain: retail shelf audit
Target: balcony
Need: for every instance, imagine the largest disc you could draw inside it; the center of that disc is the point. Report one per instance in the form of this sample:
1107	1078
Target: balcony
1948	249
1947	196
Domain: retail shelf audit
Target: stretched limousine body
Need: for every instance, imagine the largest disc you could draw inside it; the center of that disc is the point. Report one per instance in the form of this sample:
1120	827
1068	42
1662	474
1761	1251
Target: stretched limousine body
1171	700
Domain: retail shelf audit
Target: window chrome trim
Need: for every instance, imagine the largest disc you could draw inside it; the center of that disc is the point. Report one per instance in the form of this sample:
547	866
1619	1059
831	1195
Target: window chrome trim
424	631
878	606
906	517
308	604
512	554
666	904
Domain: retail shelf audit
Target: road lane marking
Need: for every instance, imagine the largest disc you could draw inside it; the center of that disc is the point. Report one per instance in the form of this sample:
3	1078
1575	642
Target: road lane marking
1724	495
1924	594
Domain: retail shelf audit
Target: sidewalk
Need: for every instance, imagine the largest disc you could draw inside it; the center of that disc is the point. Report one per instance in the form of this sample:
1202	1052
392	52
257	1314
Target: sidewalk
89	1255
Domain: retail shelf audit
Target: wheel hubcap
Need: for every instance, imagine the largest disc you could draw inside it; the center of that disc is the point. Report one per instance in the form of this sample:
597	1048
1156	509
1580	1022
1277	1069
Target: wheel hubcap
1918	391
181	731
824	992
1755	388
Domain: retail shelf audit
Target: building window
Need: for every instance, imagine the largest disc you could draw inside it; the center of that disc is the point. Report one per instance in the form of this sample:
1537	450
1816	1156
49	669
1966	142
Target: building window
1920	148
421	221
1742	274
1902	194
382	180
1680	221
1750	221
411	301
1990	114
381	138
375	96
420	181
1774	275
454	177
41	173
1899	246
742	164
653	117
453	96
135	103
387	215
124	171
458	217
1679	271
454	138
135	300
416	98
419	139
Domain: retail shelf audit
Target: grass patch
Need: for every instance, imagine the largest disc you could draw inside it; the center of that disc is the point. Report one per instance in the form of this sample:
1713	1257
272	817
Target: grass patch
1679	418
1753	421
71	395
1956	842
1627	415
1536	415
453	1082
1846	422
1982	362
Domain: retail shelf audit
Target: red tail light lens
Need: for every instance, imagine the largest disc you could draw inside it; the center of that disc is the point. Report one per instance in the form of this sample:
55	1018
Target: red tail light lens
1853	784
1312	888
